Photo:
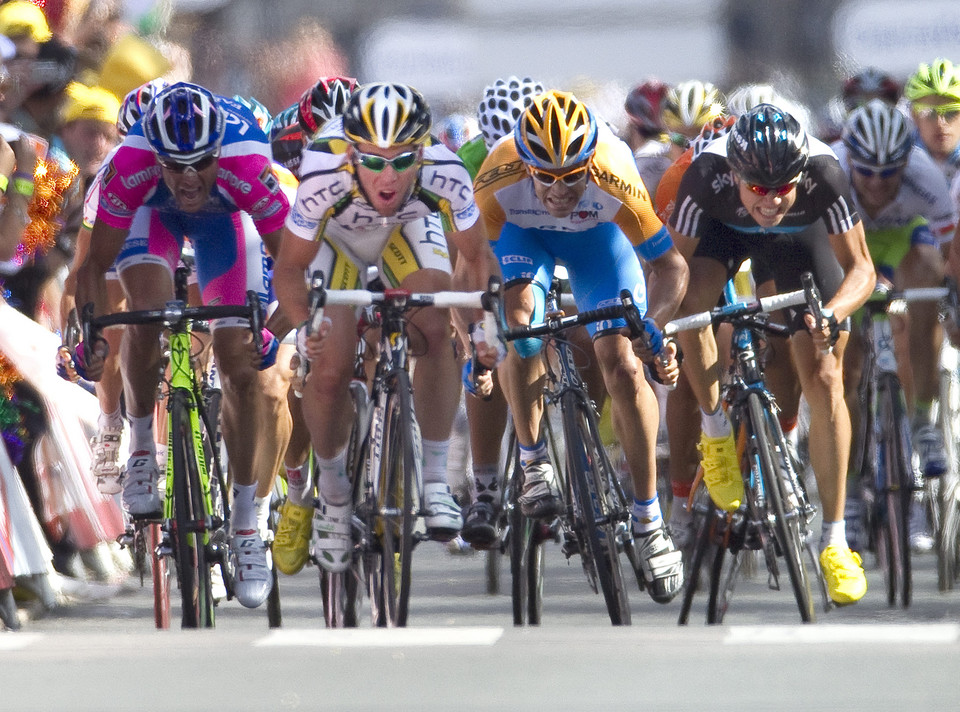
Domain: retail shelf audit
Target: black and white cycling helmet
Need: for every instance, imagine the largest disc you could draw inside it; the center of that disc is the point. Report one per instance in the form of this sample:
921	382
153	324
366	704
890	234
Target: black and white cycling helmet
877	134
184	123
386	115
503	103
767	147
136	101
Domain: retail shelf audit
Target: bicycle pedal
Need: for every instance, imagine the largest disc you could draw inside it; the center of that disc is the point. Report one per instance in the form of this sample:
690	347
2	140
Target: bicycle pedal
127	539
570	546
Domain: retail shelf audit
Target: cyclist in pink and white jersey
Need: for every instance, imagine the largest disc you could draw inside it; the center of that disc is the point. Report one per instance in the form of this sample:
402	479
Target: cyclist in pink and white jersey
187	170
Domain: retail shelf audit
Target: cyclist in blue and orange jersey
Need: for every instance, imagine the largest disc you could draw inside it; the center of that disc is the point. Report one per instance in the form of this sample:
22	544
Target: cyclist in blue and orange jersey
904	202
105	466
685	109
769	191
297	126
187	170
565	189
934	95
318	105
376	191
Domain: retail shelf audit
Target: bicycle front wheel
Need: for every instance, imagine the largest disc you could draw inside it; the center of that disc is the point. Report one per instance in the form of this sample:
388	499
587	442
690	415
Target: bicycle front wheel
895	489
790	522
398	501
189	530
599	518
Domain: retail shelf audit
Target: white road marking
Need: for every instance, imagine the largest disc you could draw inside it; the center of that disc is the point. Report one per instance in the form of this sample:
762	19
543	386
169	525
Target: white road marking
380	638
18	641
940	633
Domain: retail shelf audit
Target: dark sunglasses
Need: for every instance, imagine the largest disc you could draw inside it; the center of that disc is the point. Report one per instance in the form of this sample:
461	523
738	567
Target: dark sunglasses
377	164
569	179
779	191
178	167
868	172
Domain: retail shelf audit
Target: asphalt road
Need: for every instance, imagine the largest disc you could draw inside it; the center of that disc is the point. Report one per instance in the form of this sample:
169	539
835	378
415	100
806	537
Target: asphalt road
461	652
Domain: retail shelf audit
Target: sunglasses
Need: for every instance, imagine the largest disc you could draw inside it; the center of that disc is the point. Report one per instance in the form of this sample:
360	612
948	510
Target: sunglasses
569	179
178	167
779	191
947	112
377	164
868	172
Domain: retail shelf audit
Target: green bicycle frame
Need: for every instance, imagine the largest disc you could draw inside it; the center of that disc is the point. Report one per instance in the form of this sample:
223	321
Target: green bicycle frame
184	379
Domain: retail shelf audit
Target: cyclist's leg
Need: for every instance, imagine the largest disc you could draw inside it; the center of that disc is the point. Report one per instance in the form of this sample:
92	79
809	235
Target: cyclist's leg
527	268
596	278
708	274
821	379
250	409
145	264
425	267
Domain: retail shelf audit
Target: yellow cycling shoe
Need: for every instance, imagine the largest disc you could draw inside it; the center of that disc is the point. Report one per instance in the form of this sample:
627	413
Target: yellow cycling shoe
721	471
842	570
291	543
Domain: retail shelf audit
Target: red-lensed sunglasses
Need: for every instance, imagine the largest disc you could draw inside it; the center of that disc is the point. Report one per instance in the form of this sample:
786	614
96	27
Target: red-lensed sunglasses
779	191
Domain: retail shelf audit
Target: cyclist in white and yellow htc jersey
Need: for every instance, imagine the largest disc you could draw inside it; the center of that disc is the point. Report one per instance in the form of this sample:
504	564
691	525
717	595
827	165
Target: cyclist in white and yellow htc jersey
376	191
565	189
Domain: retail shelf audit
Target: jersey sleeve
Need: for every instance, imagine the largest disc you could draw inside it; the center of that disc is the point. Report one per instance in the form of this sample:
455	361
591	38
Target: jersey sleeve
615	171
501	167
126	182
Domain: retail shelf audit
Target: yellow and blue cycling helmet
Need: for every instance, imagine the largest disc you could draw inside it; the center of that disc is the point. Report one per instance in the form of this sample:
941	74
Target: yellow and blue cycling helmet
556	131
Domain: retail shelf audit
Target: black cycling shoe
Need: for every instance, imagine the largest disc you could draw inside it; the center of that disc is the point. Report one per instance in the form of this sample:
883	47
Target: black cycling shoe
480	525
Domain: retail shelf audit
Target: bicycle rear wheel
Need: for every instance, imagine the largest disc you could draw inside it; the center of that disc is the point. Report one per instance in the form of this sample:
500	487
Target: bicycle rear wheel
398	501
160	575
702	546
599	518
895	489
189	520
789	520
948	529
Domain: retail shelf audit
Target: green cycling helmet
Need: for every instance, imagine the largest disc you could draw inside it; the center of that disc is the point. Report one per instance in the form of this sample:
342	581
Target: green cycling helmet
939	78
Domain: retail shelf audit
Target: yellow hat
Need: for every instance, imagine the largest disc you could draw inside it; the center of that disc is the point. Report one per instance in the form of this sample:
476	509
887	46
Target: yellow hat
20	17
131	62
94	103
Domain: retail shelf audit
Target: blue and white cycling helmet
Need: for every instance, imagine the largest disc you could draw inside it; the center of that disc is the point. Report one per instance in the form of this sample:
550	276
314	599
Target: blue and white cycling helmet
184	123
135	102
256	107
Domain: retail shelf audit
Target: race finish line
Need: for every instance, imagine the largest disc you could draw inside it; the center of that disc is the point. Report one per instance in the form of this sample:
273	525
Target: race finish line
381	638
936	633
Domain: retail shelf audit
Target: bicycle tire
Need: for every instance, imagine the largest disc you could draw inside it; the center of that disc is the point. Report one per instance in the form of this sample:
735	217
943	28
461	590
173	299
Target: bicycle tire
895	488
525	547
771	450
598	521
189	521
701	546
948	529
398	501
160	574
340	591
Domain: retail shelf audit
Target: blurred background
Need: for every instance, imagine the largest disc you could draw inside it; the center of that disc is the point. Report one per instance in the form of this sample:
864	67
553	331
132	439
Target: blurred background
451	49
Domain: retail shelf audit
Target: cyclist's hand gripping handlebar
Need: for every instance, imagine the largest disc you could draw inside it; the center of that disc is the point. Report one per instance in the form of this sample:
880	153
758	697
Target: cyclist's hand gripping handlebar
661	355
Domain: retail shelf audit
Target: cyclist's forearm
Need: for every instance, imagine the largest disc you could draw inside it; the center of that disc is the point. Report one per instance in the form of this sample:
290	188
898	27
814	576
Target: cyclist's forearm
666	286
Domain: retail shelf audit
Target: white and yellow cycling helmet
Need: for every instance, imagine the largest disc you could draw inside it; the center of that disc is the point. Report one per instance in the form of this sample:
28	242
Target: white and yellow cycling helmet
386	115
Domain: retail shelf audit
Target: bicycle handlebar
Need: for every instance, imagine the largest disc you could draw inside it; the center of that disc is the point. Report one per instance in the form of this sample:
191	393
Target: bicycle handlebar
736	310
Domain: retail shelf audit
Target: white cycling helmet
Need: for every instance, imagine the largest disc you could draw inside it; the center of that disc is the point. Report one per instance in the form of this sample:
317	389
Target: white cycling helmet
689	105
877	134
502	105
387	115
135	102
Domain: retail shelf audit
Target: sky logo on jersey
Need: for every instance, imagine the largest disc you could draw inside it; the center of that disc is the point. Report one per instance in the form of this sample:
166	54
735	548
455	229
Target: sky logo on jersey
721	181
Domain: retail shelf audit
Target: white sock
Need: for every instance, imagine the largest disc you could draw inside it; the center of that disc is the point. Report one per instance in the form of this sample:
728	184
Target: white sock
332	480
262	507
141	434
487	481
244	512
298	484
716	424
646	515
833	534
531	455
112	420
435	461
